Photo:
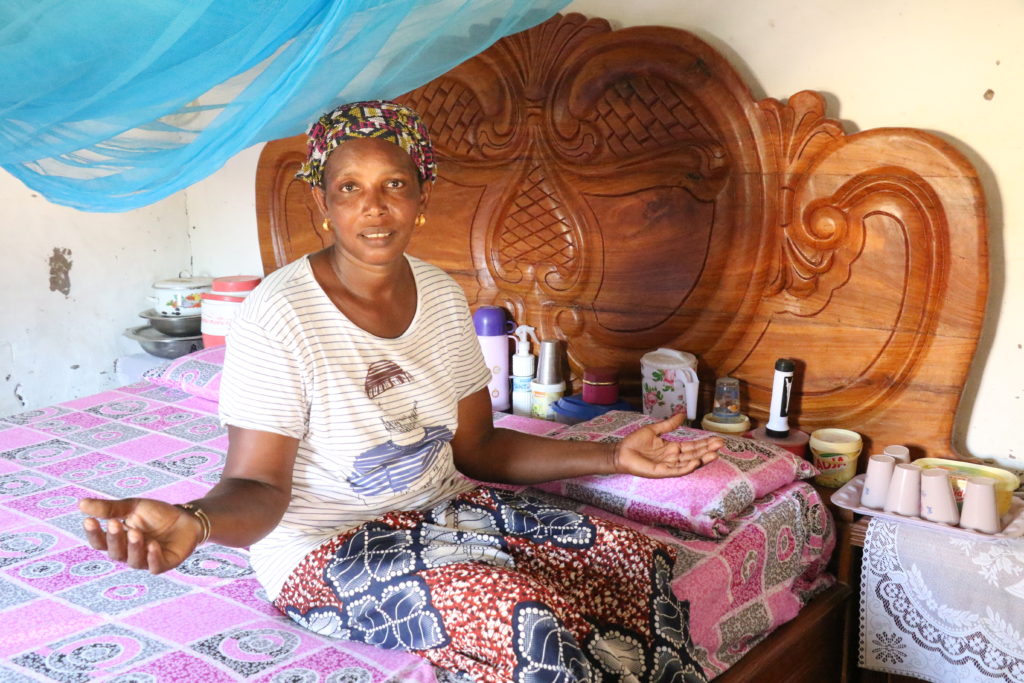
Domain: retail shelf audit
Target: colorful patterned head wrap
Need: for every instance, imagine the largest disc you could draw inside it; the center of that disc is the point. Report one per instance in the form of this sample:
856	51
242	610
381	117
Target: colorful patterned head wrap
374	119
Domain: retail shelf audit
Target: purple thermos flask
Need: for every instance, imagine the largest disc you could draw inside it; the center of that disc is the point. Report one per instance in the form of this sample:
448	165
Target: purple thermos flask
492	329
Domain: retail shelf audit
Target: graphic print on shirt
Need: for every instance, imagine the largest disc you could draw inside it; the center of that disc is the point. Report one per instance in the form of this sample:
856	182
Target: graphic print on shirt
396	464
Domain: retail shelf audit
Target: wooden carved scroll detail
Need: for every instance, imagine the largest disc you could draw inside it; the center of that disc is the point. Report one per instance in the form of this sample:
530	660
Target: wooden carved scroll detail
290	225
862	247
588	166
892	222
810	250
871	285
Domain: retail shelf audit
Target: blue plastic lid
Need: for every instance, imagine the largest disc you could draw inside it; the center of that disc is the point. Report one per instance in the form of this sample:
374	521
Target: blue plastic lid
576	408
490	321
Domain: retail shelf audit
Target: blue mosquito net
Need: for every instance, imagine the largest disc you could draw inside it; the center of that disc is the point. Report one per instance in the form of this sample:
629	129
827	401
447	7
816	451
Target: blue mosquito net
108	105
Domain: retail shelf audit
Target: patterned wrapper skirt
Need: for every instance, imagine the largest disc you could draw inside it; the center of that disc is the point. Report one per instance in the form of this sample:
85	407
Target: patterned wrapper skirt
501	586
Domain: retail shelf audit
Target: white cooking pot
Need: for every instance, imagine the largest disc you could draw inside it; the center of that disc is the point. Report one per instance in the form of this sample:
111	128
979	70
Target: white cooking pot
180	296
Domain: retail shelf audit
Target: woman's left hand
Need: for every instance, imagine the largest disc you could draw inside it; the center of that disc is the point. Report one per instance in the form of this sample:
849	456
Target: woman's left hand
645	454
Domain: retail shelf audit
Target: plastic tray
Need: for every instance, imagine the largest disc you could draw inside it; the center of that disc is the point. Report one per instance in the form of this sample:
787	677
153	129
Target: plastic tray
848	497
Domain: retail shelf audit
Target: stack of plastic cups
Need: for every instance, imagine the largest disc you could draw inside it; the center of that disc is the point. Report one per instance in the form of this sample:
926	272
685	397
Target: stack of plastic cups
221	304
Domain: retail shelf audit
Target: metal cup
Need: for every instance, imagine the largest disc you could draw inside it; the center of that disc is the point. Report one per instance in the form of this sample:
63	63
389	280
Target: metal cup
549	369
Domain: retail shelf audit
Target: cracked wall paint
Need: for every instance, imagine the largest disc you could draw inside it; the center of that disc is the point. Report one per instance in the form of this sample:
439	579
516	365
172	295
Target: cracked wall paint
69	299
60	271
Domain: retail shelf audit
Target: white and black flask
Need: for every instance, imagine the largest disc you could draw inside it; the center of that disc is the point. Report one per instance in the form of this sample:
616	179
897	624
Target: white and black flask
782	388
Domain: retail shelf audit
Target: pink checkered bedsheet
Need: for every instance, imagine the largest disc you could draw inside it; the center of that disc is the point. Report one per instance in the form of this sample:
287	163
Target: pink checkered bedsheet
69	614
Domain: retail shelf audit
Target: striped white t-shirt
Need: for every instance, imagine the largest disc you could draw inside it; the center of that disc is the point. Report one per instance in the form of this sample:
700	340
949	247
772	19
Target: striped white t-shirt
374	416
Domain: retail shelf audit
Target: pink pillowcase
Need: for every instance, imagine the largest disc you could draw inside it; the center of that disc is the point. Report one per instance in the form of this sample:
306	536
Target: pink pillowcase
197	373
703	502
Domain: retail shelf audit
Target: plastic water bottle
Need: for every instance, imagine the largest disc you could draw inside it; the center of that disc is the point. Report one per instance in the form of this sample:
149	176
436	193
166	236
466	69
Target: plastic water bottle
523	367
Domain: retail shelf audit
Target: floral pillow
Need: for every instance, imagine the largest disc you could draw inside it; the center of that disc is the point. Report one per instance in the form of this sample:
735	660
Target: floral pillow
197	373
703	502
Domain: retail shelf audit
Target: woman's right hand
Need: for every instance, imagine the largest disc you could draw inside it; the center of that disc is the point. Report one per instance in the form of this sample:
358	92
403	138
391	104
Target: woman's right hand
143	533
246	504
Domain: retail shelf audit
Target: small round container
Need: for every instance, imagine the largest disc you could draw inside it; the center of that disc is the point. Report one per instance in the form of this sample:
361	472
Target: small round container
543	398
711	423
601	386
835	452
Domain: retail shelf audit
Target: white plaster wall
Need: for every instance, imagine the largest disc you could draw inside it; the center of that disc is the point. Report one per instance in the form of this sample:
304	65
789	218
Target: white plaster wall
55	347
222	219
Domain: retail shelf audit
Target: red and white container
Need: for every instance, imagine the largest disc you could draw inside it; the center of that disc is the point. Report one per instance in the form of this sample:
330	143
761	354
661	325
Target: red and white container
221	304
235	285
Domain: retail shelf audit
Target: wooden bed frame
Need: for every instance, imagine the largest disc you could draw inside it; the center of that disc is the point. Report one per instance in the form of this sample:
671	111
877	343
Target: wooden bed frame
623	190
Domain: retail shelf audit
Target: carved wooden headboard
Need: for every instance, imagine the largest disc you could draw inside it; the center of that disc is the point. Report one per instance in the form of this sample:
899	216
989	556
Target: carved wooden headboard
623	190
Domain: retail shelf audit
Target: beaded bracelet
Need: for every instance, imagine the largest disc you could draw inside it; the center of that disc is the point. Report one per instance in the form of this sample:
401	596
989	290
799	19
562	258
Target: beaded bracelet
199	514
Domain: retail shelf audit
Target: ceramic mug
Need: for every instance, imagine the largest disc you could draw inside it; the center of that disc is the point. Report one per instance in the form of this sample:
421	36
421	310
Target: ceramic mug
876	481
904	496
937	501
899	453
979	511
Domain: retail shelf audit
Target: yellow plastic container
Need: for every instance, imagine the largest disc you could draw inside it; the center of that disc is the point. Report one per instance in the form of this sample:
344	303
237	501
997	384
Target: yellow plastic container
834	452
960	472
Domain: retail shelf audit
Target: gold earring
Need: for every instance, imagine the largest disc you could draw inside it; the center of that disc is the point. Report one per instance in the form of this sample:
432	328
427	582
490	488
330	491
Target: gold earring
420	220
326	225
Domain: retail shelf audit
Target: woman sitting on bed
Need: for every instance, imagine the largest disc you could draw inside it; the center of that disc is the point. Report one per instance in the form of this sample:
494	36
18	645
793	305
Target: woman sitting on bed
355	399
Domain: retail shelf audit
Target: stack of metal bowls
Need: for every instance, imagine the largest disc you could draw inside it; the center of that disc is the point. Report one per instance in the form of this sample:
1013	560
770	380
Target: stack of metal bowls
173	327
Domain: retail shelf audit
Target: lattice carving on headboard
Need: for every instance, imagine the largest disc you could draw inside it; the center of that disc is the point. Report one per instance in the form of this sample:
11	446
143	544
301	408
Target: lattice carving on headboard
622	190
